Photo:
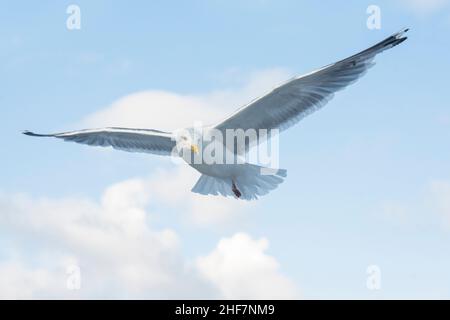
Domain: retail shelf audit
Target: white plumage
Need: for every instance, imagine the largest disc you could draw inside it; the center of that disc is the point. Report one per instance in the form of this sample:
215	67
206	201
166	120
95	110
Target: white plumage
279	109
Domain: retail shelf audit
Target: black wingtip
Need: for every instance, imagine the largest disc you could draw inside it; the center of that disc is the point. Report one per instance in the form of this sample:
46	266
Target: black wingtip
395	39
32	134
401	33
400	41
27	133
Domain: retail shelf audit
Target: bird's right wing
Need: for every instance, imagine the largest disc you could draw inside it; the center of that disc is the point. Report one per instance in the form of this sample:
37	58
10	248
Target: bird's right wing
131	140
290	102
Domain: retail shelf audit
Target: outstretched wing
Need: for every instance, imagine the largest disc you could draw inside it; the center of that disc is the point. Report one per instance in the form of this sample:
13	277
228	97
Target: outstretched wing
297	98
131	140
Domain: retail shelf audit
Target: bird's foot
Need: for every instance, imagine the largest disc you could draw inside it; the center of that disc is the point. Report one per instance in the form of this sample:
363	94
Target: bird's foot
235	190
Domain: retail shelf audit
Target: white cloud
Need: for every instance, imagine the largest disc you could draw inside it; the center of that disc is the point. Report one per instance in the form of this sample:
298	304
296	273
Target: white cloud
20	282
425	7
151	109
165	110
112	239
240	269
119	253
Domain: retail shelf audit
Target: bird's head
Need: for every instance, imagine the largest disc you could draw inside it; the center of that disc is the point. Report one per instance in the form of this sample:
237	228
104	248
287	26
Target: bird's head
188	142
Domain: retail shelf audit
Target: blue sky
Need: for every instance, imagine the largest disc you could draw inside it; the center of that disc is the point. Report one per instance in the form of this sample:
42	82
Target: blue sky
368	176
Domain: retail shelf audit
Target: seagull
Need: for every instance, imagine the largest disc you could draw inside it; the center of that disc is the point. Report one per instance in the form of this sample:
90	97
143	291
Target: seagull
279	109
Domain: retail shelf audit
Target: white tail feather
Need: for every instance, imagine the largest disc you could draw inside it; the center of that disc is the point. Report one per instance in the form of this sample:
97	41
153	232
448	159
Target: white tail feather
255	181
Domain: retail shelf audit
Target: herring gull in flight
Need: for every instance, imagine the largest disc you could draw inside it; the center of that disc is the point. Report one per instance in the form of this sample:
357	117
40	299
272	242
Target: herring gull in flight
279	109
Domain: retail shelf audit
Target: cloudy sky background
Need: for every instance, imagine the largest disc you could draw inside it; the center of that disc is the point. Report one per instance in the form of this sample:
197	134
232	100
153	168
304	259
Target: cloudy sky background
368	176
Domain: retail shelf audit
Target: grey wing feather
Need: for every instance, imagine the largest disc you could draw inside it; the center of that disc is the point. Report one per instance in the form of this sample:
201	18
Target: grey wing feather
131	140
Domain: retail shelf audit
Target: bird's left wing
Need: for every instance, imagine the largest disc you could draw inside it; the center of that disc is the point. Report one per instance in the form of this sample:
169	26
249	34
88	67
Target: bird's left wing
131	140
292	101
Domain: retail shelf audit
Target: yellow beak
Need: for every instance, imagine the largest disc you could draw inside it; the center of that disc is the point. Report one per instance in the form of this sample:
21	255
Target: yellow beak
194	148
